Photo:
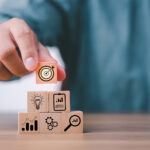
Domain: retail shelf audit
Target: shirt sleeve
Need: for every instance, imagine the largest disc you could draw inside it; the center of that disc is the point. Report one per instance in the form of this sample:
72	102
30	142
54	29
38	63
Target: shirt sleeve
42	16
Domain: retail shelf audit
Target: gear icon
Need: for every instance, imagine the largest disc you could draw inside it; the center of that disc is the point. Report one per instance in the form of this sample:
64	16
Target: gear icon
50	123
49	120
50	127
55	124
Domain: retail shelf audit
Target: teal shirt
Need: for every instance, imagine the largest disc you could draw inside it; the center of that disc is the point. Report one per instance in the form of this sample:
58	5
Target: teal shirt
105	45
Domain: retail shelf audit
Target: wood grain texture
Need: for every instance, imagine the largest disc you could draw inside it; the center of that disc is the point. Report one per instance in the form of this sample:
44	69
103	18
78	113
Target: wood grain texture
28	122
72	122
101	131
50	123
66	122
37	101
59	101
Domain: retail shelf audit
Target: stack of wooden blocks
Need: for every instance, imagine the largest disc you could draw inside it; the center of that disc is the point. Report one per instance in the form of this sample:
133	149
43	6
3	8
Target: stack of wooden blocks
49	112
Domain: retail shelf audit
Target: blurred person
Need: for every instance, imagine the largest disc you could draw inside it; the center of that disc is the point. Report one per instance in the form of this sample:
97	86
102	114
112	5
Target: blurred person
104	43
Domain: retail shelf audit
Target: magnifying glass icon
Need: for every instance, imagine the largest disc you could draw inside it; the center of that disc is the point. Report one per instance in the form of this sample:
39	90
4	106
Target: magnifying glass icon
74	121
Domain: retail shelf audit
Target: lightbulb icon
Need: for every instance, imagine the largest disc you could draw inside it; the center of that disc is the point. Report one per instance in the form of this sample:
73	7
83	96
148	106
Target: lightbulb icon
37	101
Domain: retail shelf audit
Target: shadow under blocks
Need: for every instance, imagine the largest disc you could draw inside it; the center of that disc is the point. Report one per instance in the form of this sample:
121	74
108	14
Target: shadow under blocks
49	112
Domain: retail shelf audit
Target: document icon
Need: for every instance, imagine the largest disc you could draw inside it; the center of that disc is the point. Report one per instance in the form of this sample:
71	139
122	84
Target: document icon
59	102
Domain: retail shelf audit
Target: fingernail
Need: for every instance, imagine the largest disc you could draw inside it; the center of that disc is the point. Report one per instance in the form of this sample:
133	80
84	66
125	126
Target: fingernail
30	64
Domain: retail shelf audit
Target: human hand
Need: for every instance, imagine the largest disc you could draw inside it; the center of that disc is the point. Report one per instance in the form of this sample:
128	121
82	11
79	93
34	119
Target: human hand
20	51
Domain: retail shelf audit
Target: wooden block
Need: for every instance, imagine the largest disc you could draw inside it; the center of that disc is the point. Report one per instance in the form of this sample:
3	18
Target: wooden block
59	101
28	122
67	122
72	122
50	123
37	101
46	73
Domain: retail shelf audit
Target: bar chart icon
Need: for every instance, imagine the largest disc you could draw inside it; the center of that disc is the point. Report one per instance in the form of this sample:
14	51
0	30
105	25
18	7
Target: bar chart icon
30	125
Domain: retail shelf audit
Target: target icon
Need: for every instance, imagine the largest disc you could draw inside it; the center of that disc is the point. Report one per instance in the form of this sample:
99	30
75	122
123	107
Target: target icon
46	73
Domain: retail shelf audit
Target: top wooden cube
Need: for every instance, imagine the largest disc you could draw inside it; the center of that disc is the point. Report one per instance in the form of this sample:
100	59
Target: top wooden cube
46	73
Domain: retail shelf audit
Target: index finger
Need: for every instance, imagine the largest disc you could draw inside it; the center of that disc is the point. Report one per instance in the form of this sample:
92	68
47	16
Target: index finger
26	41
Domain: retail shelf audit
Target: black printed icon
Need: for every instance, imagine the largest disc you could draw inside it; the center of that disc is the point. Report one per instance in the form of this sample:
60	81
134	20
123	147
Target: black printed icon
37	101
59	102
74	121
46	73
30	125
50	123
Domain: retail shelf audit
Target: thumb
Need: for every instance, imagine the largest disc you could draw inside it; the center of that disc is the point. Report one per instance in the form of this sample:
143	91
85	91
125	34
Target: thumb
44	56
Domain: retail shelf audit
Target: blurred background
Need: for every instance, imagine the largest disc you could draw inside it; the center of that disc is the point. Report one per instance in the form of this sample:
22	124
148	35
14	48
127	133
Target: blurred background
104	45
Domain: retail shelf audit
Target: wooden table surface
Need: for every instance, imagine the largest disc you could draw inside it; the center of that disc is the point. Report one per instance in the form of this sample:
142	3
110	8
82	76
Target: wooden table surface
101	131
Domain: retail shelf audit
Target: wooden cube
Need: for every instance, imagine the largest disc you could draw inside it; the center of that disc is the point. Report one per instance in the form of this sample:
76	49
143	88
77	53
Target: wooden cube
72	122
59	101
46	73
28	122
50	123
67	122
37	101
